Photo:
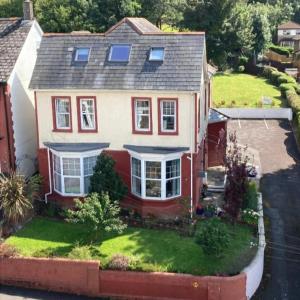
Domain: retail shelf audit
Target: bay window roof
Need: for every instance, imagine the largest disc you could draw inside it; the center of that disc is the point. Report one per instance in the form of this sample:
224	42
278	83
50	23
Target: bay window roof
76	147
156	150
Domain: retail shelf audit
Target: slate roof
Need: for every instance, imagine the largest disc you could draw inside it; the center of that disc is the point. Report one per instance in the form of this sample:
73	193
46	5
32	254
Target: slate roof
289	25
13	33
215	116
155	150
180	70
76	147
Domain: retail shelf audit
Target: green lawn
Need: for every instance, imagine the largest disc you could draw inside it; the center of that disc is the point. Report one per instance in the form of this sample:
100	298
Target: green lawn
155	250
245	90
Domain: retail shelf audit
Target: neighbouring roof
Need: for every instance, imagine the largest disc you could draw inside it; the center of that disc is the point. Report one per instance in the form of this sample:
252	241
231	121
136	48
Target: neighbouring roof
289	25
155	150
211	70
181	69
215	116
76	147
13	33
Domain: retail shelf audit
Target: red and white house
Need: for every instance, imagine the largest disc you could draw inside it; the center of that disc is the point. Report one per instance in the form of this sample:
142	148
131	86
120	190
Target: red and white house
135	92
19	40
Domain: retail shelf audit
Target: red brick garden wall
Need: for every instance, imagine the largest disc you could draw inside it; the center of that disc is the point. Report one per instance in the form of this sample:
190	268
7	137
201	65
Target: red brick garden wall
85	278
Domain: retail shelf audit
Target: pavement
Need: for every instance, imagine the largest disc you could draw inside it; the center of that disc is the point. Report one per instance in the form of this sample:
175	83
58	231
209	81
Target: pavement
280	186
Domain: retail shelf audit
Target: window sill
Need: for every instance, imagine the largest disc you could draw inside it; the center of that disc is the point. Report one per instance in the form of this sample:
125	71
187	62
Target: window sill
142	132
88	130
70	195
168	133
62	130
156	199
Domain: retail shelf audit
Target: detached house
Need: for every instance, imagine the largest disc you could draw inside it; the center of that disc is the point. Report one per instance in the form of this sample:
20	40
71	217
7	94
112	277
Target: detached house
19	40
135	92
288	33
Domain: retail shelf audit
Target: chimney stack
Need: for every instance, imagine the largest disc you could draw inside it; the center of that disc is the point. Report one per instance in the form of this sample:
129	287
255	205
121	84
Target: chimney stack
28	10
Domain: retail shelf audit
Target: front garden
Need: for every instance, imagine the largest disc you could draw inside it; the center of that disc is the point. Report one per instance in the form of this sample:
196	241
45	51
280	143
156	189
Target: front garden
217	241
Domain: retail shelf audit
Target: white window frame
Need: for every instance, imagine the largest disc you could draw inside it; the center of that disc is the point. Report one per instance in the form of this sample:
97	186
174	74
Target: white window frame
81	113
82	176
162	115
156	158
151	58
59	113
136	100
77	54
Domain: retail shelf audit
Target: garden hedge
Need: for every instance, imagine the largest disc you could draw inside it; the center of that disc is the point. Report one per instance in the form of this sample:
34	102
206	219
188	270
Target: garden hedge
281	50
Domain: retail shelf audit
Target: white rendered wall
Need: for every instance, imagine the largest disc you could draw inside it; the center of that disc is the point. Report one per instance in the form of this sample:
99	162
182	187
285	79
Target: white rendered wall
114	114
23	107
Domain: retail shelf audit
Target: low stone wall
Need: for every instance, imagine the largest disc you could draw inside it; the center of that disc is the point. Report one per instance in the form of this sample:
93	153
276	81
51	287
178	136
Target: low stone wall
254	271
85	278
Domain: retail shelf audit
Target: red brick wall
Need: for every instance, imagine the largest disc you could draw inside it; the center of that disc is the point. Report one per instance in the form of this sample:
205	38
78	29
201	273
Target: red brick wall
7	156
144	207
215	156
85	278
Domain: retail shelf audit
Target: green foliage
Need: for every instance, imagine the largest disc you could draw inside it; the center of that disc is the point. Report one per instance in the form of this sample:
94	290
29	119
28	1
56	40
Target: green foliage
98	213
243	60
281	50
7	251
241	69
213	236
285	79
267	71
81	252
250	216
106	180
17	196
250	199
11	8
119	262
284	87
155	250
274	77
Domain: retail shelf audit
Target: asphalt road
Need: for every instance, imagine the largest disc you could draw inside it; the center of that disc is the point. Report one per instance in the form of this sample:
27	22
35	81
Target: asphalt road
14	293
280	186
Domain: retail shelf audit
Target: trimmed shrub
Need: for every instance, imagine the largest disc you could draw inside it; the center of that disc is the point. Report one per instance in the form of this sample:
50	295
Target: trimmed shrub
281	50
81	252
284	87
213	236
7	251
250	198
267	71
241	69
48	252
243	60
274	77
285	79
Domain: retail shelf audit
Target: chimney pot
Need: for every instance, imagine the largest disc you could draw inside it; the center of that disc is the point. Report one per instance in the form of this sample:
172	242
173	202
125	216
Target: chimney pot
28	10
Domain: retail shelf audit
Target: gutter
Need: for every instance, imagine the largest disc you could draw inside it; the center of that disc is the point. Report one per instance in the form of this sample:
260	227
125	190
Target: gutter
50	177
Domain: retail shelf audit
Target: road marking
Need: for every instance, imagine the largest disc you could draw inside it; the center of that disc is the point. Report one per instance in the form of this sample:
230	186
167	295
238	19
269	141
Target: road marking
266	124
240	123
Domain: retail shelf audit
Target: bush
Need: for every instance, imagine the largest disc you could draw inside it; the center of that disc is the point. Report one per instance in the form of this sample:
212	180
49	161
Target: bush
267	71
281	50
241	69
7	251
213	236
49	252
81	252
119	262
274	77
250	216
285	79
250	198
284	87
243	60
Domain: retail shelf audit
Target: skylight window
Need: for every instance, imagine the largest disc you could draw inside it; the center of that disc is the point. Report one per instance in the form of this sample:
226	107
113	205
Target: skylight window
157	54
119	53
82	54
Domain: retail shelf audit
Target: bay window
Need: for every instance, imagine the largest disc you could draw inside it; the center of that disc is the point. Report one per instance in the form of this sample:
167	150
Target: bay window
142	115
156	178
72	172
168	116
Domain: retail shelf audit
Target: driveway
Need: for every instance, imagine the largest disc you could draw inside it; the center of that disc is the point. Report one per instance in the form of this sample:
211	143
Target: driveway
280	185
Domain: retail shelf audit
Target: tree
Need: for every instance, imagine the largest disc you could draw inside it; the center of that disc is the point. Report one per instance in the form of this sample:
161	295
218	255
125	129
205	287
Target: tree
235	163
106	180
11	8
169	12
97	212
17	197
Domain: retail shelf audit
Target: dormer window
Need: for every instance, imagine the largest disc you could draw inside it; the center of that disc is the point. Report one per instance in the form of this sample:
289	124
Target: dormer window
82	54
119	53
157	54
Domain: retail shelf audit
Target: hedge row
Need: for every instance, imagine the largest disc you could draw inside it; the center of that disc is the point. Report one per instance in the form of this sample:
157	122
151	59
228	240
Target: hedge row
281	50
289	88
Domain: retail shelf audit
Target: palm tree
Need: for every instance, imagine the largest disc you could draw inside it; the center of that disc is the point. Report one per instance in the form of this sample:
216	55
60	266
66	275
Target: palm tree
17	196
